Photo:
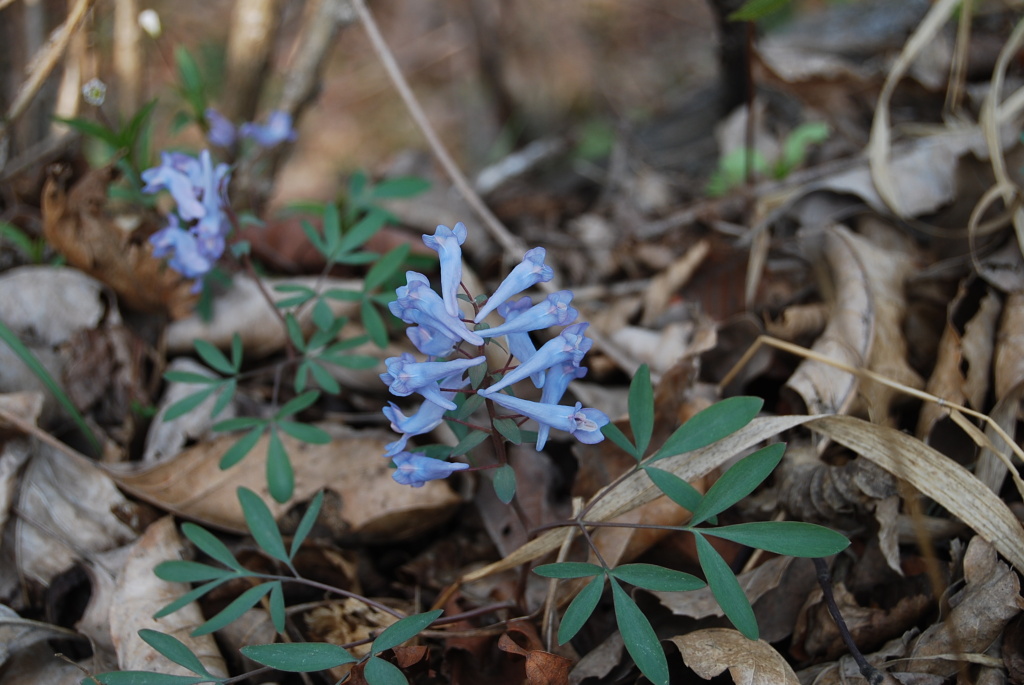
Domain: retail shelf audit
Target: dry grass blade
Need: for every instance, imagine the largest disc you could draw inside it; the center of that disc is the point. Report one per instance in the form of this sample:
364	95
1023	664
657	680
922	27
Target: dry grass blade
881	133
935	475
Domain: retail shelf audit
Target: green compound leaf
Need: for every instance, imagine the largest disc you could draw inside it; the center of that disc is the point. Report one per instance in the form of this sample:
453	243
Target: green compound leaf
386	267
232	612
467	443
711	425
299	657
262	525
323	317
568	569
753	10
405	629
792	538
277	611
374	324
187	404
145	678
472	403
380	672
224	397
239	423
306	524
295	333
280	476
580	609
175	650
402	186
739	481
188	377
675	488
213	357
363	231
505	483
613	433
639	637
651	577
332	230
189	597
324	378
305	432
190	572
208	543
241	448
509	430
641	408
297	404
236	352
726	588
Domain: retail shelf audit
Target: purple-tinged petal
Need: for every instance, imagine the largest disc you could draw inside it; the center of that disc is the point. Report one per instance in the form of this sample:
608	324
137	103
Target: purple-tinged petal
186	257
520	345
278	129
417	303
221	131
426	419
556	382
405	376
415	468
570	346
583	424
448	244
526	274
179	185
431	341
553	311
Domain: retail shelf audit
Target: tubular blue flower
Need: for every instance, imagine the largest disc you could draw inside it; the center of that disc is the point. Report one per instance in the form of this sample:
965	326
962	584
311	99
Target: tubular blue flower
187	258
570	346
221	132
426	419
448	244
583	424
415	468
405	376
528	273
553	311
431	341
178	174
519	344
556	382
278	129
418	303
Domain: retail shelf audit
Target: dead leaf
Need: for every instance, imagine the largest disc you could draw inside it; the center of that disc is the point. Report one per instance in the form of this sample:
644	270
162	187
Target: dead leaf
67	510
373	507
710	651
542	668
346	621
77	225
139	594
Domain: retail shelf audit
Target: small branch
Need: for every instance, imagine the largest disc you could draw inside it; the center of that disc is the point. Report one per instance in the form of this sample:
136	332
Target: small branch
870	673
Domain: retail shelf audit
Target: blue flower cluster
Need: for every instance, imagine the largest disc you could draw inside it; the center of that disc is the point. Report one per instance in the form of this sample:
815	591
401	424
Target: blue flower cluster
194	235
439	330
277	130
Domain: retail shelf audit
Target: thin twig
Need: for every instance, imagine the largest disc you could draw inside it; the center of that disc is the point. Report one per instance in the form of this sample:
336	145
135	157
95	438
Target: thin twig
498	231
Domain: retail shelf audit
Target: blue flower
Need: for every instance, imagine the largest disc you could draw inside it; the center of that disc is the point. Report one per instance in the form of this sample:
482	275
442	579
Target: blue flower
221	131
553	311
520	345
178	174
423	421
187	258
570	346
278	129
448	244
583	424
418	303
405	376
415	468
556	382
431	341
531	271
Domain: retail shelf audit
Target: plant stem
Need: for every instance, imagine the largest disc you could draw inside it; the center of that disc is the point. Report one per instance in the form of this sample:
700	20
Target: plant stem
870	673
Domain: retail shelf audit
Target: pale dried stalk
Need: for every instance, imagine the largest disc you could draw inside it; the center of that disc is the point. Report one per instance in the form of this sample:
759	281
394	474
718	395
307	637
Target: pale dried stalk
252	37
127	55
43	63
957	411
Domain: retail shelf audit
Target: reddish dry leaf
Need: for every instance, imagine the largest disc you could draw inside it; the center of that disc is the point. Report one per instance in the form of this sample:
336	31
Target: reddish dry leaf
542	668
77	225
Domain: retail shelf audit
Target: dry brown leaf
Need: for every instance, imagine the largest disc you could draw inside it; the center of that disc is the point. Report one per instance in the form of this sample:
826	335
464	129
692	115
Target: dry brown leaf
667	283
352	465
15	450
848	335
345	621
712	650
978	614
139	594
935	475
1009	354
542	668
702	603
67	509
77	225
978	342
600	661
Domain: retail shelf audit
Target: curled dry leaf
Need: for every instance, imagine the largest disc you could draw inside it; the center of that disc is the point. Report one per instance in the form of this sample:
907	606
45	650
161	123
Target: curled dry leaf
352	465
712	650
344	622
77	225
542	668
243	310
848	335
139	594
67	509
